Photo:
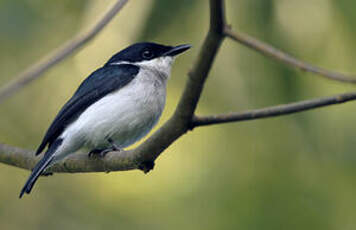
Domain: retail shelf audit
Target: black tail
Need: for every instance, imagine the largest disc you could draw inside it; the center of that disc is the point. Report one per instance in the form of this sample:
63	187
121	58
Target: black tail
40	167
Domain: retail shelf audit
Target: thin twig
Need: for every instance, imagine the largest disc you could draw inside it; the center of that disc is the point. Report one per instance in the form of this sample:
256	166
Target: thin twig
285	58
273	111
35	71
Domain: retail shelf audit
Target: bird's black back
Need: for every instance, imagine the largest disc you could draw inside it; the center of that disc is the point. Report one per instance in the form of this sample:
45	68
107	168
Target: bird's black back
100	83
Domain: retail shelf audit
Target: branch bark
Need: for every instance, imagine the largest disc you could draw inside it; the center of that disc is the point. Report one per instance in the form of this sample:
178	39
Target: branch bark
285	58
35	71
273	111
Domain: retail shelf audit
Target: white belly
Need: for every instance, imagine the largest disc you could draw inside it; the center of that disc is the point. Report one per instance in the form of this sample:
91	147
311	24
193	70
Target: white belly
125	116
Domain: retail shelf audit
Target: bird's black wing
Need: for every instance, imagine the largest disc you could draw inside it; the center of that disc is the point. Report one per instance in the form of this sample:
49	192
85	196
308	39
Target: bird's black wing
100	83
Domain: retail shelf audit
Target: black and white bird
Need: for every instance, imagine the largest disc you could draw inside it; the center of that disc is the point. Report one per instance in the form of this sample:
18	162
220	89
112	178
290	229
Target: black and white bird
117	105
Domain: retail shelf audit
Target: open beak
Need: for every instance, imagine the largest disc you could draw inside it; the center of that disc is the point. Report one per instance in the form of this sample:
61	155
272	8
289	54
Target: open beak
177	50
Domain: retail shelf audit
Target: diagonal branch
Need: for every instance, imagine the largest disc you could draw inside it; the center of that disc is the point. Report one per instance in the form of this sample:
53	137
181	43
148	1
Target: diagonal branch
59	54
273	111
175	127
203	64
285	58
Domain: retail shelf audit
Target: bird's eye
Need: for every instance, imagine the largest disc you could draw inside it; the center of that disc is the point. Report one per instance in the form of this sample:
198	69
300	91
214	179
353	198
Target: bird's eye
147	54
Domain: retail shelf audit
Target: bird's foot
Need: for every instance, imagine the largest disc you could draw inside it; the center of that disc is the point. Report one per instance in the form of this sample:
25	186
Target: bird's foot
114	147
146	166
94	153
102	152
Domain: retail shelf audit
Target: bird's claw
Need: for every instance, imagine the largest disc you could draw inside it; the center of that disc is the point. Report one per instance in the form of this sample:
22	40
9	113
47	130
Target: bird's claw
98	153
101	153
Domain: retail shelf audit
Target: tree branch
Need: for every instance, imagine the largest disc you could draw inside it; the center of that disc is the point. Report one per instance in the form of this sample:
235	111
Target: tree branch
175	127
202	66
35	71
114	161
273	111
285	58
183	118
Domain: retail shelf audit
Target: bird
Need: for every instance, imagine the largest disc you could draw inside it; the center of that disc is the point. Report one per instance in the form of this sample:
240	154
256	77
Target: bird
114	107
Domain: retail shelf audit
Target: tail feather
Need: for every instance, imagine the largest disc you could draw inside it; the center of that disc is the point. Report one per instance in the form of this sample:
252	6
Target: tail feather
40	167
37	171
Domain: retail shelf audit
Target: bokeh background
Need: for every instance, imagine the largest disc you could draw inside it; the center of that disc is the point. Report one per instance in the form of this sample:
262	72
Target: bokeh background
292	172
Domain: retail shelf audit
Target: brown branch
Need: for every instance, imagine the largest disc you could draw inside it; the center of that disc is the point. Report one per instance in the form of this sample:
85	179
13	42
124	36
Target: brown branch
273	111
285	58
183	118
175	127
202	66
59	54
79	162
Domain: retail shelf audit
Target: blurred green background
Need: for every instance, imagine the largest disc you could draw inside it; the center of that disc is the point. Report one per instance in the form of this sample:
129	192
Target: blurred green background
292	172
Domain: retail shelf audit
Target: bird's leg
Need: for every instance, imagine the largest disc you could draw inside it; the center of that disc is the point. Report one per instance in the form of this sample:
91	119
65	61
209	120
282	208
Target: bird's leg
114	147
95	152
103	152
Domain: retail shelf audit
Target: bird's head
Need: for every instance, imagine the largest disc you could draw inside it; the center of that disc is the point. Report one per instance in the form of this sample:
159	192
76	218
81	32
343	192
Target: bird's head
149	55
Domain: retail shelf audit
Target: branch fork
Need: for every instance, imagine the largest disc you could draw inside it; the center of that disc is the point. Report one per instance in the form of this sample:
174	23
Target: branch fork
184	118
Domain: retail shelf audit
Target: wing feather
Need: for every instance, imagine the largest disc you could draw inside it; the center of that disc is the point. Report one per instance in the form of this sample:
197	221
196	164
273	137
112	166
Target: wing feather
100	83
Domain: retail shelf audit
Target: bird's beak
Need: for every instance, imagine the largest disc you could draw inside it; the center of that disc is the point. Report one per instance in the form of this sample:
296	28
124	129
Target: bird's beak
177	50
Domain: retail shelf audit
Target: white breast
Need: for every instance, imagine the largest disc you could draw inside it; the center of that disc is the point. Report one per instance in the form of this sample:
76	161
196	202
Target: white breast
124	116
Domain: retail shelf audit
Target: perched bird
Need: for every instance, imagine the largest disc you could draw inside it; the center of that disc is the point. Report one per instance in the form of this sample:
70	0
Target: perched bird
114	107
